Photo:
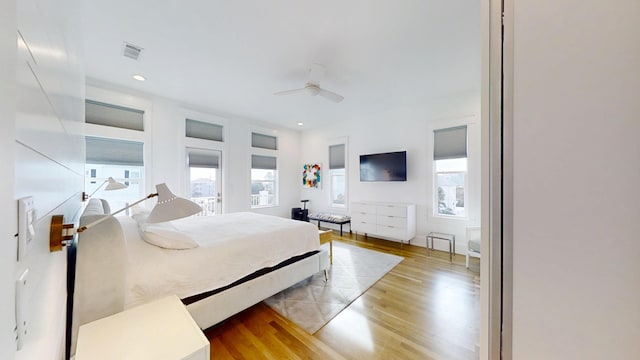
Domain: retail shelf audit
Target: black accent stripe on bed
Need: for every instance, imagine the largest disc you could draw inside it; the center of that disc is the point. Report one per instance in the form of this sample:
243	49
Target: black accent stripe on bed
263	271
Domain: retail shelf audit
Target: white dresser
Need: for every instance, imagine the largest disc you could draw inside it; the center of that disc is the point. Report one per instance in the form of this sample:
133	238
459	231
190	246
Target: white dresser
396	221
159	330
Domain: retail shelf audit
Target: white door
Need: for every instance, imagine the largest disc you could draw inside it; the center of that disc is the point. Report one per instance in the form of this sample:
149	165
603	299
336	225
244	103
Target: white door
205	179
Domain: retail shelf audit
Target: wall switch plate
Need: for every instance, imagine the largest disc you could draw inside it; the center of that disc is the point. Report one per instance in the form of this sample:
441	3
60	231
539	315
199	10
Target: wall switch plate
21	308
26	225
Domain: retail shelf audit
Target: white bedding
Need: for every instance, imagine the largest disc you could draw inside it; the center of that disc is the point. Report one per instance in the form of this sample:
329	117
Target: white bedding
230	246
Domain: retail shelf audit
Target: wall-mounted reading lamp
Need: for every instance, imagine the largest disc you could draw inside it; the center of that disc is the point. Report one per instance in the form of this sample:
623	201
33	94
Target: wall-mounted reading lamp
111	185
169	207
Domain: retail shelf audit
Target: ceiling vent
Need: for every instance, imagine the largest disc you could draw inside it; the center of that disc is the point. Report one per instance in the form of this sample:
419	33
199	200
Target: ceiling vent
132	51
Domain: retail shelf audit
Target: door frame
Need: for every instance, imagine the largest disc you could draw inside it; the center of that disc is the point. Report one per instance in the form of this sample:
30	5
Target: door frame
219	175
497	179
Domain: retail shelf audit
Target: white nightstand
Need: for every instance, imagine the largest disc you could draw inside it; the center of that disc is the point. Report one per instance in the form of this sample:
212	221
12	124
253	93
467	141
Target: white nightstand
162	329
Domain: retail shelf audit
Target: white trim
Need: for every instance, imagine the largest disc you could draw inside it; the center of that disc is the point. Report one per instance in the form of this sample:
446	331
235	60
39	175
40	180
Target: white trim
506	231
491	102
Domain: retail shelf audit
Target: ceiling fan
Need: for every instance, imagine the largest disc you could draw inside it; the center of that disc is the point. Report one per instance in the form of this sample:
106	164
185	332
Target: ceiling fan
312	87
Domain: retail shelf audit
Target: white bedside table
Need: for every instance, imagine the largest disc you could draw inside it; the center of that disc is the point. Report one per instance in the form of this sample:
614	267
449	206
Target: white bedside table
161	329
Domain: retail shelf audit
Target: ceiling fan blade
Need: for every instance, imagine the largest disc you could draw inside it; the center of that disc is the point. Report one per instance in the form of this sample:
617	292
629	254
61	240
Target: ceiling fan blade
331	95
291	92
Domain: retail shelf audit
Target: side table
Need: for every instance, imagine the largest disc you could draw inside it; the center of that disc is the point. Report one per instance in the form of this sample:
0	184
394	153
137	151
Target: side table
159	330
442	236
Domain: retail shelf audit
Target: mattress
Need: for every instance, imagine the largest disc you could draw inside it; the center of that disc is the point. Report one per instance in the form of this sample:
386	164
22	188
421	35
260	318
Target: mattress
230	247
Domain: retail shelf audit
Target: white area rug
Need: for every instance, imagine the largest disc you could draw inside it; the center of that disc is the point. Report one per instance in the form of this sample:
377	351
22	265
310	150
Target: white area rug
311	303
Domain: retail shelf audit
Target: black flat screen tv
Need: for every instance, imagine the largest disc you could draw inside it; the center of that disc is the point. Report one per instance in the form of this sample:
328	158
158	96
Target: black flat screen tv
391	166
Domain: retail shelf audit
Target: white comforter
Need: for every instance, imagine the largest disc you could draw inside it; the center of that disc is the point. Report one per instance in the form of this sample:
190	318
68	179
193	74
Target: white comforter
231	246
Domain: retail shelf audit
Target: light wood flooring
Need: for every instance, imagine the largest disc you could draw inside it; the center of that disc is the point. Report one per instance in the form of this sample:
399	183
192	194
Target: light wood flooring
425	308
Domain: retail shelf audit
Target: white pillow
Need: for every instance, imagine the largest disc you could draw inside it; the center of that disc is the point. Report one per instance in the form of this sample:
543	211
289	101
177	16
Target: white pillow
166	236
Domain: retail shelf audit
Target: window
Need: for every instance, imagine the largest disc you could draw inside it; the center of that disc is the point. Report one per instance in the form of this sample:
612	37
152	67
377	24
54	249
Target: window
264	185
202	130
204	168
113	115
264	141
450	169
119	159
337	175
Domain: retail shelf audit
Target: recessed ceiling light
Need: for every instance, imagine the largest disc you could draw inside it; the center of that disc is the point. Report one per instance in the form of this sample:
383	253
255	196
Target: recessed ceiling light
139	77
300	124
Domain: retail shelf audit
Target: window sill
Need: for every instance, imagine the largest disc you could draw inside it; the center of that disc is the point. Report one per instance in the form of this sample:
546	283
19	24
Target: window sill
450	217
263	206
338	206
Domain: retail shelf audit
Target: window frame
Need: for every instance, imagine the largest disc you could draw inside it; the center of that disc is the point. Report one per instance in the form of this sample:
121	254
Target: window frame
436	200
195	143
268	152
333	142
275	181
435	173
94	179
96	93
217	206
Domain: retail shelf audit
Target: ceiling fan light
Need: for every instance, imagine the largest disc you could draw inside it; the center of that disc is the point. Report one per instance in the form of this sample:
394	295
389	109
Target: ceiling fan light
312	90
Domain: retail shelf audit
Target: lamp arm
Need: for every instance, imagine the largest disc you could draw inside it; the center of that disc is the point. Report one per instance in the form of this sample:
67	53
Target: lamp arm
85	227
85	197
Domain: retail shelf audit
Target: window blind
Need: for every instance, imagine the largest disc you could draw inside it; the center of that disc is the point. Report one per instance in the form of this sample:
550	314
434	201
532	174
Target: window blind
113	115
450	143
264	141
202	130
336	156
263	162
203	159
114	152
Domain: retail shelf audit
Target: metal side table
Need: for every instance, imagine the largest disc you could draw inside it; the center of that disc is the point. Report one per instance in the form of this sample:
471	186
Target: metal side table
442	236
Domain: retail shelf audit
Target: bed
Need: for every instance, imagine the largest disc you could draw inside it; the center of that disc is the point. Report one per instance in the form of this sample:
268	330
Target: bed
218	265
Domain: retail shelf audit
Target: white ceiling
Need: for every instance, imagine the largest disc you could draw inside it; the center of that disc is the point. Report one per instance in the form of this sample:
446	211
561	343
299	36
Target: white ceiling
231	56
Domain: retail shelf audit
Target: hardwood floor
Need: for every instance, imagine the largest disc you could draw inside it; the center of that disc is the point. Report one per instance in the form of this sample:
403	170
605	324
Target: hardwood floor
425	308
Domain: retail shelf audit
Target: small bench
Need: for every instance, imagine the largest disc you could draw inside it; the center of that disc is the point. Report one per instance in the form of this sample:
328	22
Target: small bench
333	219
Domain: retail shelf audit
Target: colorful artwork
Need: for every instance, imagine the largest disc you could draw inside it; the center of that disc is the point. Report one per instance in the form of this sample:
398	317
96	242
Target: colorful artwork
311	176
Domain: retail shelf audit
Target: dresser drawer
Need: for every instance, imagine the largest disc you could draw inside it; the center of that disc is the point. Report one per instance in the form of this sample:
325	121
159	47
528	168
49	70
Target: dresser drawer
363	208
394	221
361	217
392	232
363	227
391	210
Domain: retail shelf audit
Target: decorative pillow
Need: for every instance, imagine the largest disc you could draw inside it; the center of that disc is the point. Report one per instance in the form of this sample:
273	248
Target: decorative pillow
166	236
139	214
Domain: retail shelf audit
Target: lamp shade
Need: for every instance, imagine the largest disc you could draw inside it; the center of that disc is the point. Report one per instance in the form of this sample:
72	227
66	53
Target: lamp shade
114	185
171	207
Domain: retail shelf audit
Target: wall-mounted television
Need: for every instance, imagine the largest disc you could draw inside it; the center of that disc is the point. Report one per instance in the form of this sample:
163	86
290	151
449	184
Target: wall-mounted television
391	166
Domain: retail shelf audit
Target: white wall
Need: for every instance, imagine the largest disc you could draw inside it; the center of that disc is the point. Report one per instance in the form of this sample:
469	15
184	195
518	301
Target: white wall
409	128
40	136
576	154
165	148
